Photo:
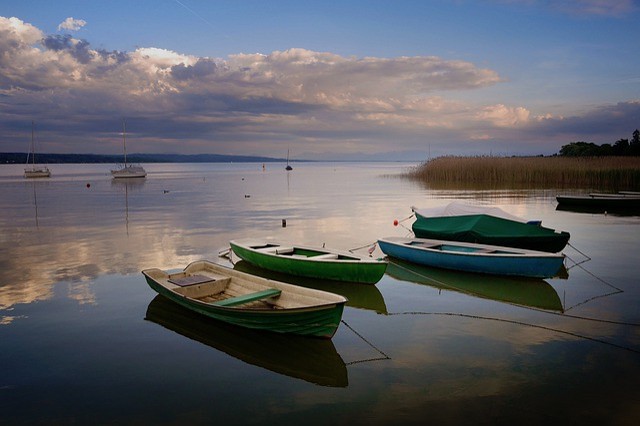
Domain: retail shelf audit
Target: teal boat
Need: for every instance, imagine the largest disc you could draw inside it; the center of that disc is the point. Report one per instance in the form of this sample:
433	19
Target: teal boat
313	360
486	225
528	292
322	263
479	258
249	301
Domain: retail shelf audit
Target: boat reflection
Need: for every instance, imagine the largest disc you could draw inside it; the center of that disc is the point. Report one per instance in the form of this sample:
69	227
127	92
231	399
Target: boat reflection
312	360
530	292
360	296
127	184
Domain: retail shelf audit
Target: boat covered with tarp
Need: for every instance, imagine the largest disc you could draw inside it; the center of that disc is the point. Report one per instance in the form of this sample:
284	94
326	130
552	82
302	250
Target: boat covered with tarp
486	225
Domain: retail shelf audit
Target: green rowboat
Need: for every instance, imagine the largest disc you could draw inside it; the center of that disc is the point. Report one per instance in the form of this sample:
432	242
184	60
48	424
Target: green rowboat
311	262
249	301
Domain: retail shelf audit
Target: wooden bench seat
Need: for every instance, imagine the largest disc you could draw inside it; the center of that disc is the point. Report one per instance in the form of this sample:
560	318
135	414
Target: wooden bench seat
327	256
276	250
251	297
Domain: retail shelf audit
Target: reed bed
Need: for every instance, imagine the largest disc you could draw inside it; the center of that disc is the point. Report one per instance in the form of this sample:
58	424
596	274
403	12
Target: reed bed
602	173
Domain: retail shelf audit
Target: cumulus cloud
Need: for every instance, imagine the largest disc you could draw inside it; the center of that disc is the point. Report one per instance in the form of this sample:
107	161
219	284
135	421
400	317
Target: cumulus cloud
71	24
503	116
243	82
245	98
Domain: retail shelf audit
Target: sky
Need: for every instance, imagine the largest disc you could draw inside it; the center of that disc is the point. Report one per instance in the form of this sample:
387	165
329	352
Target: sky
328	80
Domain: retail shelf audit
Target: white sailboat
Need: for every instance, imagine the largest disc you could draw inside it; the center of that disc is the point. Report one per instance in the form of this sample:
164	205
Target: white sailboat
128	170
33	171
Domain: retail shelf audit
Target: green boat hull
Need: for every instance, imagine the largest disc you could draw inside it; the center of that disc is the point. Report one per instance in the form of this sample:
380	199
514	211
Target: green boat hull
317	321
359	296
367	272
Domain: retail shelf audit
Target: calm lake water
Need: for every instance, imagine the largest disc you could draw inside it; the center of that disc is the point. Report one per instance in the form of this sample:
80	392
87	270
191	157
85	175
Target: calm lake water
84	340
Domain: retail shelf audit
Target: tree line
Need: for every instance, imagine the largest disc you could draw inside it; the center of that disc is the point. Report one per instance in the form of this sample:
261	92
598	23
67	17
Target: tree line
622	147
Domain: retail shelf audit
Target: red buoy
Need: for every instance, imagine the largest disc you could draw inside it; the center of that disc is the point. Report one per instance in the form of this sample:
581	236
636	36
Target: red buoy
395	222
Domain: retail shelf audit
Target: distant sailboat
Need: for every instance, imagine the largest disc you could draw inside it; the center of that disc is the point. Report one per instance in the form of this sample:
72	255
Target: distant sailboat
33	171
288	166
128	170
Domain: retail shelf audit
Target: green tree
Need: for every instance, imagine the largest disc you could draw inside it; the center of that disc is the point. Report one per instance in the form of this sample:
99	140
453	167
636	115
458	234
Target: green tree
621	147
580	149
634	146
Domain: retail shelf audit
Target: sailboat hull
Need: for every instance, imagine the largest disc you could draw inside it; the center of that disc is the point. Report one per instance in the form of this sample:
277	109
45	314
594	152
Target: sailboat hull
129	172
33	171
37	173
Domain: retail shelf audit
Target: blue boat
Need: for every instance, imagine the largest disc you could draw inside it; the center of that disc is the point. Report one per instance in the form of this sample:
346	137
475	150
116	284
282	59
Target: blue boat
471	257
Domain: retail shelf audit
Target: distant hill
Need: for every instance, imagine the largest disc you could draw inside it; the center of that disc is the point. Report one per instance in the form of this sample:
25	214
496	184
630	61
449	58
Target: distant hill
20	157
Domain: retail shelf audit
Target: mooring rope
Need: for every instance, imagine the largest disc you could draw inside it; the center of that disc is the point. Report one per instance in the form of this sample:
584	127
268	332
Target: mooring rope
383	357
570	333
586	258
372	247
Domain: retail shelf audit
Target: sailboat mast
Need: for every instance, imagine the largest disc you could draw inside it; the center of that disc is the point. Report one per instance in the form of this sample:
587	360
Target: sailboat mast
32	150
124	142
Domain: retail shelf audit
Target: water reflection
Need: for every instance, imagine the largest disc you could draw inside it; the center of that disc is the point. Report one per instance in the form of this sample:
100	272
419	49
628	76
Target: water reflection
126	185
35	203
533	293
360	296
313	360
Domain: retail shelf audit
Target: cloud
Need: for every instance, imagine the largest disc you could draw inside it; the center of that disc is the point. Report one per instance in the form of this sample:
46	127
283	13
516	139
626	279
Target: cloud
71	24
601	8
79	49
615	8
595	124
503	116
248	103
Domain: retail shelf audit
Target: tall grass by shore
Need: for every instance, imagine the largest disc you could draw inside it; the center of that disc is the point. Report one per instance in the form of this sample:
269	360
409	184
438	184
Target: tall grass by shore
602	173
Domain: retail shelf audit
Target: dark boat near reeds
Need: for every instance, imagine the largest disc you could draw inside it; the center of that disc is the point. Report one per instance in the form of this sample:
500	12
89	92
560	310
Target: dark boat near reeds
486	225
313	360
602	202
250	301
528	292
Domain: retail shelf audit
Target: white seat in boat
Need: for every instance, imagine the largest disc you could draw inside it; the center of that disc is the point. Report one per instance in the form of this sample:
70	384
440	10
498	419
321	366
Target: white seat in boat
327	256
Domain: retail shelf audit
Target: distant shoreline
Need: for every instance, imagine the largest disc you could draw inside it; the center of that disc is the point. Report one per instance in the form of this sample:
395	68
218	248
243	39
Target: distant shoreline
20	158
